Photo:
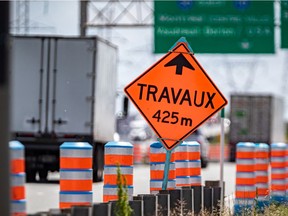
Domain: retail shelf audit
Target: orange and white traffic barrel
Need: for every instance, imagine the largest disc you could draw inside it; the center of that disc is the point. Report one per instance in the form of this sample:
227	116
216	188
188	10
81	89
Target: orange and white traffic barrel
182	165
17	175
17	157
278	172
245	192
286	162
110	193
75	198
76	180
157	171
261	174
110	174
194	157
76	155
75	174
117	154
157	165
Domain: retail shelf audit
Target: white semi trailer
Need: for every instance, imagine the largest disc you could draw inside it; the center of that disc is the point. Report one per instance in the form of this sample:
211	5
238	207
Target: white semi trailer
63	89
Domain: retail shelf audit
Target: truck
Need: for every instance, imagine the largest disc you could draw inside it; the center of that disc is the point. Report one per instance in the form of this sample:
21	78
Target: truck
257	118
63	90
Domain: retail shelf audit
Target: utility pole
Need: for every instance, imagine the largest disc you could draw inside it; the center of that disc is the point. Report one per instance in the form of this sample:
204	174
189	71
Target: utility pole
83	17
4	109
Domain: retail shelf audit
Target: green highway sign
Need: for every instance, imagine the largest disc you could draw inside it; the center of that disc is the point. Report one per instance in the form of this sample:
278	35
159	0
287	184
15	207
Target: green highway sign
284	23
210	26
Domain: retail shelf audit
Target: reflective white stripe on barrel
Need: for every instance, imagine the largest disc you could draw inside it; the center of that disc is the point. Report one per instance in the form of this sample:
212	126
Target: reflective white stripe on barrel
278	182
77	197
182	180
195	164
278	159
158	184
154	150
118	151
261	173
182	164
281	193
245	161
195	180
113	190
245	147
181	148
262	147
240	201
245	188
278	146
17	154
18	206
76	174
261	161
75	153
118	148
17	179
160	166
16	150
193	146
245	175
263	198
112	170
278	171
262	185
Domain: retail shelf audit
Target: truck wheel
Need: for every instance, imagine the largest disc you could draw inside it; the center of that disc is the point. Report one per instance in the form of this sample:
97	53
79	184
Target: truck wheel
232	155
98	162
30	176
204	163
43	175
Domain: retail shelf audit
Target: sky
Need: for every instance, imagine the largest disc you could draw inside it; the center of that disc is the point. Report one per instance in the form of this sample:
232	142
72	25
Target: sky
265	74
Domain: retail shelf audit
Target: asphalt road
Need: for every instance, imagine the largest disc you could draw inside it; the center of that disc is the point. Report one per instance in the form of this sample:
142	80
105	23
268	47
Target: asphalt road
42	197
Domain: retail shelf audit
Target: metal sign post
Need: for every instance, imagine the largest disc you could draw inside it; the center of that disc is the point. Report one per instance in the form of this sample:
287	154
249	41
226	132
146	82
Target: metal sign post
222	139
166	169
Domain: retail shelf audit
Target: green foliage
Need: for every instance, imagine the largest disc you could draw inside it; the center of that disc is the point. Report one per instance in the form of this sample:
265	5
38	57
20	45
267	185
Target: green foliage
122	205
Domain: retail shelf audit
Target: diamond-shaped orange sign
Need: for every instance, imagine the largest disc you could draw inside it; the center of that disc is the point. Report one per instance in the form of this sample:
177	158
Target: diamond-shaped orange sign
175	96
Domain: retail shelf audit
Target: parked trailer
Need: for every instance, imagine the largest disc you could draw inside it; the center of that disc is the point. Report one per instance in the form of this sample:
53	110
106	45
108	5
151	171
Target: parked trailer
64	89
255	118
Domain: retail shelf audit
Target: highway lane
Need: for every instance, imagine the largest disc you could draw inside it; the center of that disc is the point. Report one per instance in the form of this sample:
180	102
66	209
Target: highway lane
42	197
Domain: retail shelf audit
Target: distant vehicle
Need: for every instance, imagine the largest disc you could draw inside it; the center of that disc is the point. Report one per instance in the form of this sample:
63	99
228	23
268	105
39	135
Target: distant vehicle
64	90
255	118
204	145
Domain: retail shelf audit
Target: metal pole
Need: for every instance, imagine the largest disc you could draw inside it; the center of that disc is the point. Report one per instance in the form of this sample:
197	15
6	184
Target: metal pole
166	169
222	139
83	17
4	108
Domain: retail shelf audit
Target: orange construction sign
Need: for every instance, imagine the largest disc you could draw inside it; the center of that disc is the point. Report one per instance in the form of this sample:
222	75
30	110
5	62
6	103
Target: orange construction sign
175	96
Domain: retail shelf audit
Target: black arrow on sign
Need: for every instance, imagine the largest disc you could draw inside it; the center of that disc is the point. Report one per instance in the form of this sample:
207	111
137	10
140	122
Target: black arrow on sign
180	61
